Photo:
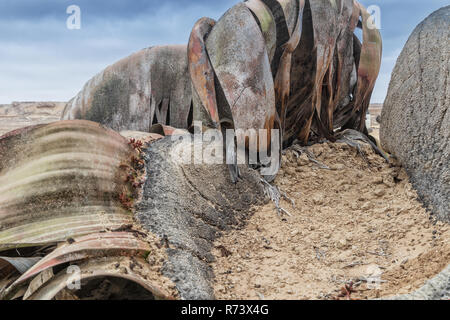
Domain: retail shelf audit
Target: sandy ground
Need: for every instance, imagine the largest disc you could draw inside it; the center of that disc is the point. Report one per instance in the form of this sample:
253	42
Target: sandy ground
358	221
23	114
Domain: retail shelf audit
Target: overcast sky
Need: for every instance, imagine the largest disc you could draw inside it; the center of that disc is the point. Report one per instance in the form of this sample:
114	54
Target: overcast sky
40	59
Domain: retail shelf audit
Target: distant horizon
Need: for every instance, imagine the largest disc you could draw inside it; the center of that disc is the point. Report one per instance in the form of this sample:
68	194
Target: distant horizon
42	60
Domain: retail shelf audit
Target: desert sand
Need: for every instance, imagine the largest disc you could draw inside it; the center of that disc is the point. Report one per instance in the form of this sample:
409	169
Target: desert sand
351	219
